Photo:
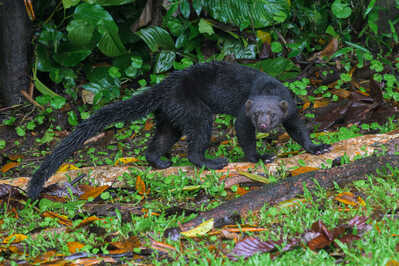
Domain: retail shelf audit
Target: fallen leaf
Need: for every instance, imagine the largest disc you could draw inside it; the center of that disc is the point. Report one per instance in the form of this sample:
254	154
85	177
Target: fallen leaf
328	51
126	160
9	166
149	124
94	192
200	230
254	177
349	198
74	246
140	186
66	167
264	36
14	238
302	170
62	219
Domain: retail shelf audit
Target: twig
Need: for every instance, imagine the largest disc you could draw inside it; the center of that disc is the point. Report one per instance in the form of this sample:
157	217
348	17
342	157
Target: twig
30	99
10	107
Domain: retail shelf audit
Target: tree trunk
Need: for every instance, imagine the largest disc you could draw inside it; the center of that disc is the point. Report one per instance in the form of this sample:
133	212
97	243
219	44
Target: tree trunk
15	39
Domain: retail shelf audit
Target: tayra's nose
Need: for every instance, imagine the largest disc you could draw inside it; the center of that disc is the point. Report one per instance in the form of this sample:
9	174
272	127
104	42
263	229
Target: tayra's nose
263	126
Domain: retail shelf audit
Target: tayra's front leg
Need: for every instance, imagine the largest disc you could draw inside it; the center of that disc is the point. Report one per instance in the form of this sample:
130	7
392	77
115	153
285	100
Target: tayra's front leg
199	134
246	135
296	128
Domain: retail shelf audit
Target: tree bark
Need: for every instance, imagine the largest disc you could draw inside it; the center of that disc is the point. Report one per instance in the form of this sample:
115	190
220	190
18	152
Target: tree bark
15	39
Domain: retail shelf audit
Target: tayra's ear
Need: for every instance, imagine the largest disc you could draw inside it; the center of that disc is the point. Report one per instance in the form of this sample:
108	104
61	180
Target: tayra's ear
284	106
248	105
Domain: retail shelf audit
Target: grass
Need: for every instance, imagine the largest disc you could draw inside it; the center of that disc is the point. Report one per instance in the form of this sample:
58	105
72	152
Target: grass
152	213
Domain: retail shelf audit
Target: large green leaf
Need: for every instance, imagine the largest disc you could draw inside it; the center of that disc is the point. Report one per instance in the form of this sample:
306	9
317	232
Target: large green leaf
80	32
279	67
237	49
70	3
50	37
110	43
245	13
165	61
71	58
156	37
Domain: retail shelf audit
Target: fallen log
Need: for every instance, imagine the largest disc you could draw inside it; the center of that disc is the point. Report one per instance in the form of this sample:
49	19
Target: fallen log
289	187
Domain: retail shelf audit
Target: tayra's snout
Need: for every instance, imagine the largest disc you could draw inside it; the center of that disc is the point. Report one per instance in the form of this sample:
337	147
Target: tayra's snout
262	127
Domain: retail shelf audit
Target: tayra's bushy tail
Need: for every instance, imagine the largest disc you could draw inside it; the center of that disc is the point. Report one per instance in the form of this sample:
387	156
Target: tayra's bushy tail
136	107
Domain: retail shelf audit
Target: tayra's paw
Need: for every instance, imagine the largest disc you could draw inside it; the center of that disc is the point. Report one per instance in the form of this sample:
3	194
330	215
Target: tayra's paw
320	149
217	163
265	158
161	164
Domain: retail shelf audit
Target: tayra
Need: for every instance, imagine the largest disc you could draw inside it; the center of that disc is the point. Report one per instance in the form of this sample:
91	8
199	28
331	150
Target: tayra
184	104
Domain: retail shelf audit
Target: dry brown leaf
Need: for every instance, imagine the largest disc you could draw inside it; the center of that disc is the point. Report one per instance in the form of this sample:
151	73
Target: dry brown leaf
126	160
319	104
149	124
124	246
62	219
349	198
14	238
328	51
94	192
302	170
74	246
140	186
341	93
9	166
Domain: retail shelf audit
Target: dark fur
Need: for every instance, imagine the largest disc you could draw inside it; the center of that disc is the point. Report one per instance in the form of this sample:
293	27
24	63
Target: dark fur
184	104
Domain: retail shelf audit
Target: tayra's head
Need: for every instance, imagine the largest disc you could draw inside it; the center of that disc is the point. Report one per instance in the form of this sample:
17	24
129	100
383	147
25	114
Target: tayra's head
266	112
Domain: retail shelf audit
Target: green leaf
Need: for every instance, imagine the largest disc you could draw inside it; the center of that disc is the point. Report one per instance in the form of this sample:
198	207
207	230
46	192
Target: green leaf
156	38
70	3
197	5
175	26
278	67
20	131
43	59
237	49
205	27
341	10
114	72
255	13
137	61
330	30
185	62
164	61
110	2
57	102
2	144
39	85
185	8
109	43
276	47
358	46
71	58
369	7
131	72
72	118
50	37
80	32
372	21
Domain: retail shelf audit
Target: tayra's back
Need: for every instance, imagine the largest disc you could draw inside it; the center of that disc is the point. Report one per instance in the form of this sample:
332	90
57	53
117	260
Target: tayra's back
223	87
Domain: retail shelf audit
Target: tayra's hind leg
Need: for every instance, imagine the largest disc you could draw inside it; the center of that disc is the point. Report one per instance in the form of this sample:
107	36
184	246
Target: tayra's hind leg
199	138
165	137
